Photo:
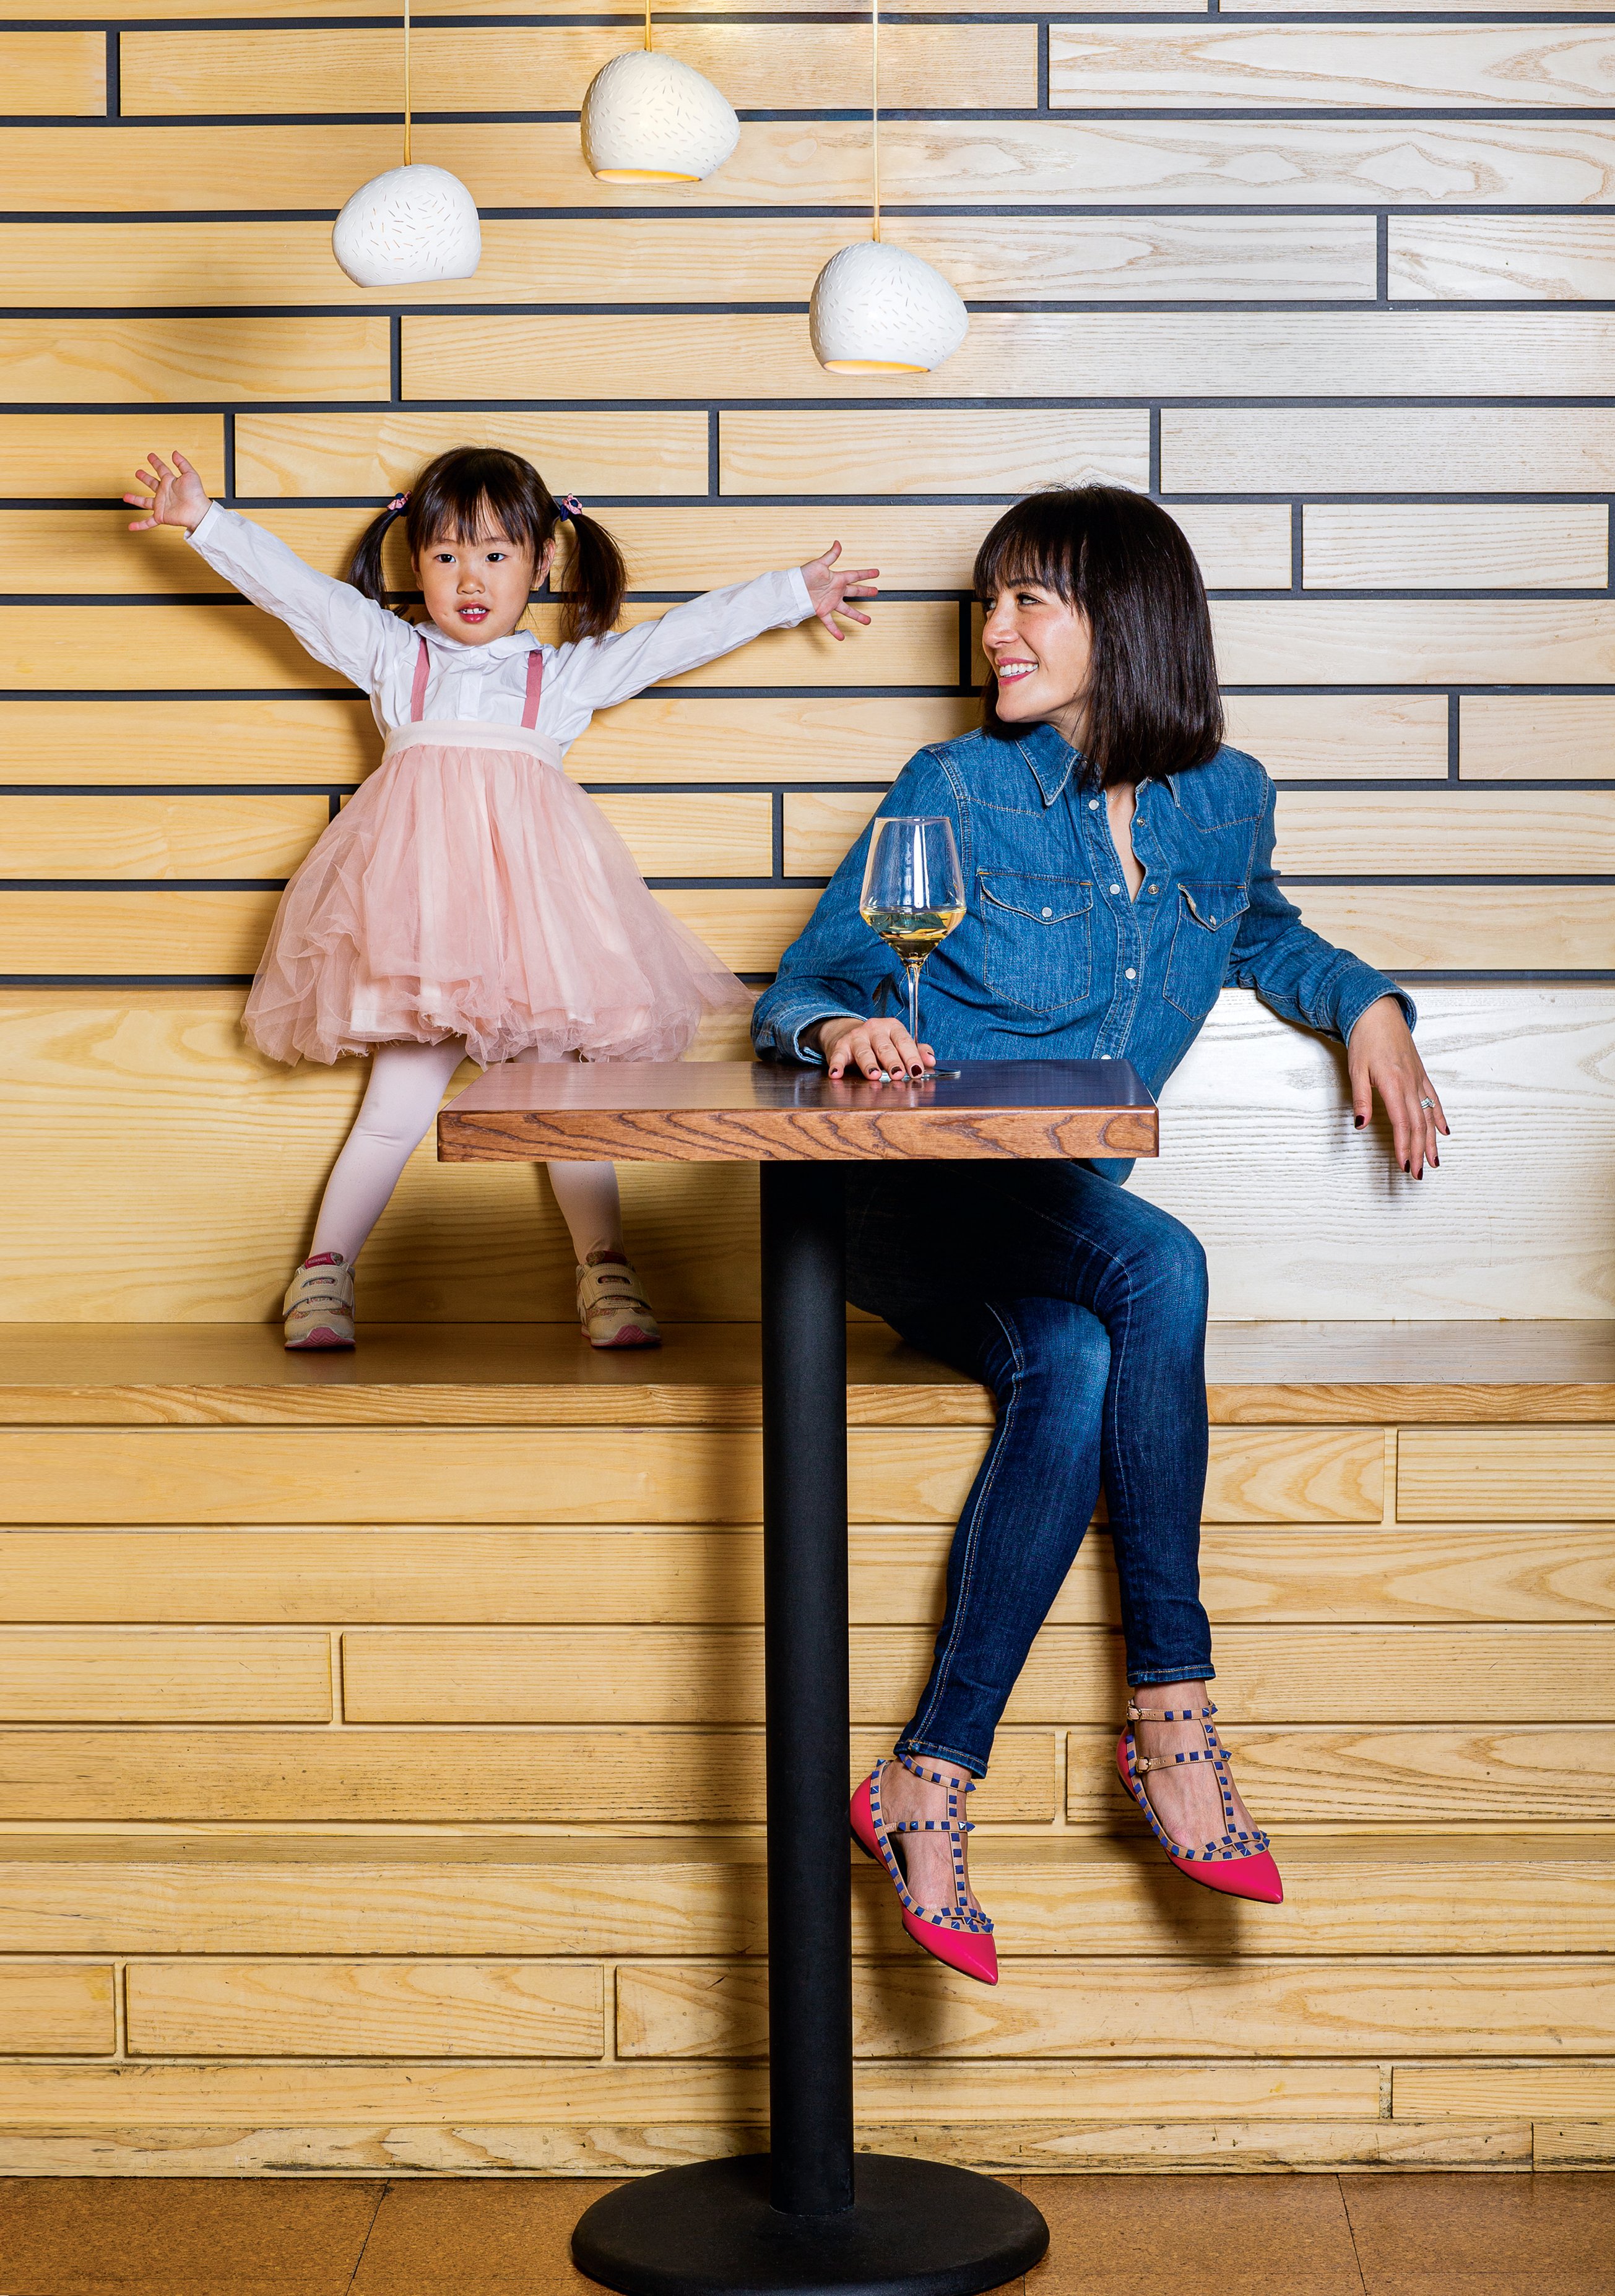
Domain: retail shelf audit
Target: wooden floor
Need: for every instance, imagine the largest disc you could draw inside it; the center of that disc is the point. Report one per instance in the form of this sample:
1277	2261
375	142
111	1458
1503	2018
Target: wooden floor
1322	2235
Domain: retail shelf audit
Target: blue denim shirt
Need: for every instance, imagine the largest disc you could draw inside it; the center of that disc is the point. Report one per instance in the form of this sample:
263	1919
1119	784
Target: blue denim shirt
1053	958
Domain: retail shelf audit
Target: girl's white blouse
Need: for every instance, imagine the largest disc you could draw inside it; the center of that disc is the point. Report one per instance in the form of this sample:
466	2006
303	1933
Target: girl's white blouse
340	625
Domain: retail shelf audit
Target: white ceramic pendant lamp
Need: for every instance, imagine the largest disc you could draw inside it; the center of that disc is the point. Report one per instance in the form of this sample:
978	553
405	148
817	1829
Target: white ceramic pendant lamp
412	224
876	309
648	118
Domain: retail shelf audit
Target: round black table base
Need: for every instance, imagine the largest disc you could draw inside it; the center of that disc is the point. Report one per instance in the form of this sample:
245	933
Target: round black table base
916	2228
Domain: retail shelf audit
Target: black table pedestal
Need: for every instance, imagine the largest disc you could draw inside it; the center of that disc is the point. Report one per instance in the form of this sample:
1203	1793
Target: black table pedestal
809	2215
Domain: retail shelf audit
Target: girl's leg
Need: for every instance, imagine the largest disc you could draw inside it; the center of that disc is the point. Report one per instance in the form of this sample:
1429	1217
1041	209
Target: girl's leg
406	1089
590	1205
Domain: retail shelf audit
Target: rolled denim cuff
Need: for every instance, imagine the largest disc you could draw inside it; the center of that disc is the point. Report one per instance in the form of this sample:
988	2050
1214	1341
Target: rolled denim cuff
976	1764
1362	987
779	1037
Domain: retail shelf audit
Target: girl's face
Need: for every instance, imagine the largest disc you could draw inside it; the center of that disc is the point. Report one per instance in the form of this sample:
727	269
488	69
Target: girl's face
1041	648
477	591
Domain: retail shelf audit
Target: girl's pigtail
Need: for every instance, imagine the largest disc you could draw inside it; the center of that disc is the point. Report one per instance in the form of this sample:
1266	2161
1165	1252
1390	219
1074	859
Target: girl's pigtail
596	578
365	571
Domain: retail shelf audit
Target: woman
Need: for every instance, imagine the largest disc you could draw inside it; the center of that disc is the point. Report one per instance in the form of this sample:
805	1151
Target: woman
1118	859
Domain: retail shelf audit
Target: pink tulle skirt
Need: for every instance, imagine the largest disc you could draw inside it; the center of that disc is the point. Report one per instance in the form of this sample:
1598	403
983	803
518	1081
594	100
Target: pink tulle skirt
470	890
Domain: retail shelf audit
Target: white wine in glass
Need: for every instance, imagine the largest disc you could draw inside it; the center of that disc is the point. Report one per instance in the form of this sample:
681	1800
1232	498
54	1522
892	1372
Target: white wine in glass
913	892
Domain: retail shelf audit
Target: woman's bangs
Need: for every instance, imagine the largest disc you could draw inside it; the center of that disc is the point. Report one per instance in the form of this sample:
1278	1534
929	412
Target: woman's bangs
1027	547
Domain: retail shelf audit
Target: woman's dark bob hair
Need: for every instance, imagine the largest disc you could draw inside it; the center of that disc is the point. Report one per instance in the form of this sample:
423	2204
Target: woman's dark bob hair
1153	704
470	491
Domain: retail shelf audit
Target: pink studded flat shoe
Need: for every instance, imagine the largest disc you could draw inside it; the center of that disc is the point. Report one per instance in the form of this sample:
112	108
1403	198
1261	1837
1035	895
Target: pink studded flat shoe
1240	1864
958	1934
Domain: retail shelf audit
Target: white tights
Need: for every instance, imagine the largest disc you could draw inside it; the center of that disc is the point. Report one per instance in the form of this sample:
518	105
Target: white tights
406	1086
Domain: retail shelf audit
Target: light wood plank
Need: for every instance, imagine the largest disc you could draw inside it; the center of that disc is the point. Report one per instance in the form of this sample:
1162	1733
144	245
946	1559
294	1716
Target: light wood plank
1477	1772
1341	736
1510	1474
946	452
112	740
157	837
172	932
157	357
1417	66
821	827
370	2008
1573	2144
380	2147
1221	2007
1559	258
1020	354
668	259
795	737
679	836
266	1474
61	2011
97	455
1531	2092
54	72
698	1578
1364	450
377	452
1432	928
800	66
1535	736
439	1777
713	1675
1364	642
1412	163
459	1892
156	2098
155	1674
1407	833
1457	546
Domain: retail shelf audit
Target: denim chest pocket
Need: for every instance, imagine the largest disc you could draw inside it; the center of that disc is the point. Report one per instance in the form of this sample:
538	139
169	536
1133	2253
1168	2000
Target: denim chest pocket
1208	918
1039	936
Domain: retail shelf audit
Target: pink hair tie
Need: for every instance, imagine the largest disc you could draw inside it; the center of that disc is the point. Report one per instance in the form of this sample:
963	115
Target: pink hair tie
398	502
571	505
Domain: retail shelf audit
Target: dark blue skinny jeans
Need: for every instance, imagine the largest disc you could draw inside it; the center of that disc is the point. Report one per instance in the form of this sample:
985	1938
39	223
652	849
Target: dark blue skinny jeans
1083	1309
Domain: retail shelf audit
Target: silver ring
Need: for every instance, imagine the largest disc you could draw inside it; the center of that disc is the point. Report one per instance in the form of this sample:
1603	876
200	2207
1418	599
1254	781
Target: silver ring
1427	1104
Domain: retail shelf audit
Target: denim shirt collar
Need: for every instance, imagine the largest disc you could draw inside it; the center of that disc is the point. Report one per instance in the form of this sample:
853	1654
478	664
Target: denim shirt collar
1053	761
1051	758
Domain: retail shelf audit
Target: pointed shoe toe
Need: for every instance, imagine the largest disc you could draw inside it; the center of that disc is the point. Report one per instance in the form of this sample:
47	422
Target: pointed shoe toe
861	1819
1255	1877
972	1952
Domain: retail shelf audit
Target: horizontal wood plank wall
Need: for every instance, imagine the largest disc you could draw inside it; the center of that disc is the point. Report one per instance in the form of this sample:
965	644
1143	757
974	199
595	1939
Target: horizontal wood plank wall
364	1812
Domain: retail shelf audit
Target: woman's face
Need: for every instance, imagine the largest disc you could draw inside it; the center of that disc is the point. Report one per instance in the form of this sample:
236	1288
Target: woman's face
477	591
1041	650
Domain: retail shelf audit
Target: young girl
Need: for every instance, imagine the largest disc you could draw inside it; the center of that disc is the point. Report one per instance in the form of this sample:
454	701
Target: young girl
469	898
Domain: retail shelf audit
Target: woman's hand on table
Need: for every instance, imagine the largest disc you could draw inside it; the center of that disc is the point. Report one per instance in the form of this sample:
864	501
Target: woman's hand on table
883	1051
1382	1059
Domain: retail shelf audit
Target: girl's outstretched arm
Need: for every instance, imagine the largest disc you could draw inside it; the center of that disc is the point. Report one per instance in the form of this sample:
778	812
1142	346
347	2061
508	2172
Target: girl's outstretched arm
335	622
597	672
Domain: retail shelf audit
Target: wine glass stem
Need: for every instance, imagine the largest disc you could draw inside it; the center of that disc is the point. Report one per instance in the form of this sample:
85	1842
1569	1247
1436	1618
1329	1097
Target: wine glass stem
911	965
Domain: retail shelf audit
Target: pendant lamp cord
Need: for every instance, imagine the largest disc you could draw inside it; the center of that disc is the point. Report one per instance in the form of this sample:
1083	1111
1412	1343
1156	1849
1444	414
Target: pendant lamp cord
407	105
875	106
647	23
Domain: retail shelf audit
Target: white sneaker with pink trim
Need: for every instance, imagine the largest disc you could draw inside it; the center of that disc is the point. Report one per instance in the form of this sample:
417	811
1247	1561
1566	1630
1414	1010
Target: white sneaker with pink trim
611	1304
318	1305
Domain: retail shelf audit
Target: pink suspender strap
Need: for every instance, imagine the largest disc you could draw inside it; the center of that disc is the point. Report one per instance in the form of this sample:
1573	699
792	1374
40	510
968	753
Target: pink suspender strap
535	687
417	692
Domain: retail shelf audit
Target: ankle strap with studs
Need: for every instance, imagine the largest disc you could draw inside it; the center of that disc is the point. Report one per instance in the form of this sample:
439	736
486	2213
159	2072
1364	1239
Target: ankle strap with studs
1169	1713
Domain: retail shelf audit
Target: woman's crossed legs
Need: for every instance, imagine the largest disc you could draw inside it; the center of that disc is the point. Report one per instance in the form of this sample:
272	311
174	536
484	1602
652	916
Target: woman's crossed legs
1083	1309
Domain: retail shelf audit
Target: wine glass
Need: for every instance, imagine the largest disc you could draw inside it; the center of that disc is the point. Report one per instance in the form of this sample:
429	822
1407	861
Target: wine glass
913	892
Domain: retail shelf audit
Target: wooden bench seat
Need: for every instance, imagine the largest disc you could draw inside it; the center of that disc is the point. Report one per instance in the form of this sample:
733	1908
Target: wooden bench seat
380	1774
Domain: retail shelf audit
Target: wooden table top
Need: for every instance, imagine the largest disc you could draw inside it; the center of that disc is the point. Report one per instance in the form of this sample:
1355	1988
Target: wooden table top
741	1112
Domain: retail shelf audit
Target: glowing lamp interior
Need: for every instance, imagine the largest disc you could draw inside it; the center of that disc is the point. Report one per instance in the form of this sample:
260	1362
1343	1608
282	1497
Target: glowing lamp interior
642	176
873	366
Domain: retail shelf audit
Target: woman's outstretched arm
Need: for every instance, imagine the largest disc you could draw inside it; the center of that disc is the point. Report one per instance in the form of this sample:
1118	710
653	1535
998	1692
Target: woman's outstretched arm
1308	979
